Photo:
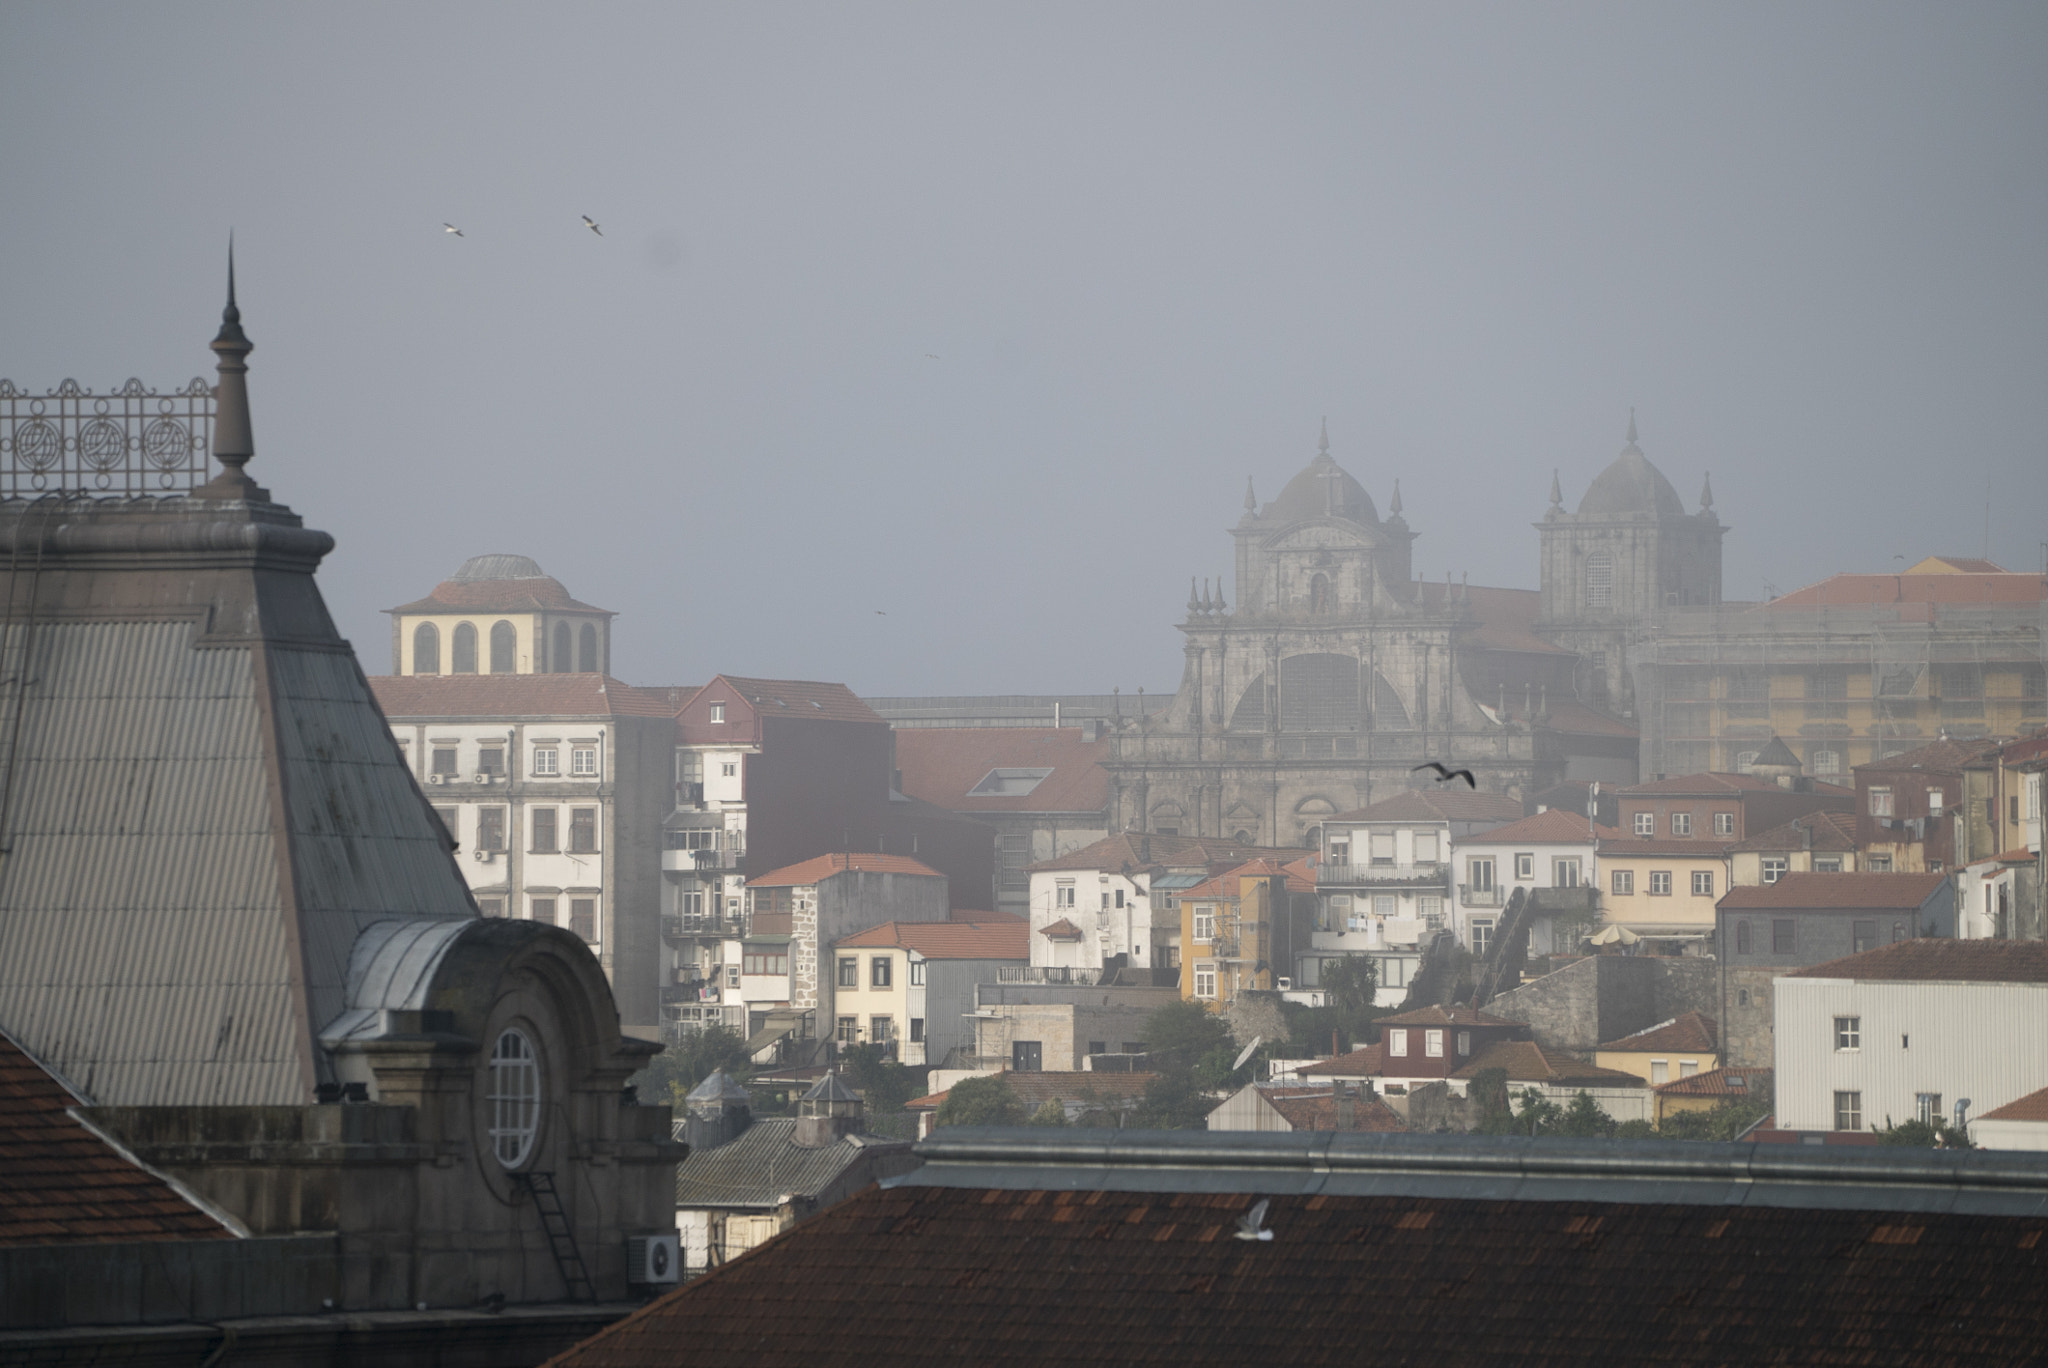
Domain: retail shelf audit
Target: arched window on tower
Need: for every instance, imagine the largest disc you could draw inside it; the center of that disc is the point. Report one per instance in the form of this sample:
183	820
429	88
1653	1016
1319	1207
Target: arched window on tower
504	648
563	657
1319	595
426	649
1599	580
586	650
462	649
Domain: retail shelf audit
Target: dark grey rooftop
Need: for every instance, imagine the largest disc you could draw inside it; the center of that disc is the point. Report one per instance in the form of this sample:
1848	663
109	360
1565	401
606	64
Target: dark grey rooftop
765	1165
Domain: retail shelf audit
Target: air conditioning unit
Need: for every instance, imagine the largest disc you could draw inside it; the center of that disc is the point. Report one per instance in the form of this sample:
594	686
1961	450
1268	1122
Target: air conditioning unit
482	856
483	778
1286	984
437	778
653	1259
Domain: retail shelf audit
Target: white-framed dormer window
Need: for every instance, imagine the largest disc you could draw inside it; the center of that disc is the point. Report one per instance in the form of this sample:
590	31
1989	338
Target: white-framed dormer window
583	762
1525	865
1646	824
547	761
1681	824
718	712
1397	1043
1433	1044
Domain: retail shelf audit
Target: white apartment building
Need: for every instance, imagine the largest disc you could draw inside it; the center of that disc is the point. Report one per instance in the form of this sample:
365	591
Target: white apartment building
1383	879
1553	852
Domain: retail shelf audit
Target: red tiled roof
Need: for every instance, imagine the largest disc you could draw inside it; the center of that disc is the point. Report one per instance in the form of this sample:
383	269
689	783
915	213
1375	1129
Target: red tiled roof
1366	1062
1034	1090
1455	1015
1693	1031
1225	885
942	764
1715	785
1964	565
1134	851
811	699
1940	961
1835	831
1061	930
820	867
1716	1083
62	1184
1451	803
935	1277
1577	719
1945	754
1317	1111
527	695
1880	590
1008	939
1505	615
1555	827
1856	890
1528	1062
526	595
2032	1107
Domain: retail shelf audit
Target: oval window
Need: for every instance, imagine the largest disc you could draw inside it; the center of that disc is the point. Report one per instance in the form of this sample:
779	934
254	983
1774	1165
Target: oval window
515	1098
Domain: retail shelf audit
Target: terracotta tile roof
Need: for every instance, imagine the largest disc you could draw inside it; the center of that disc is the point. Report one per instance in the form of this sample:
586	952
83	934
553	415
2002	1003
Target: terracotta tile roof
1036	1089
1455	1015
62	1184
1225	885
1729	1082
1366	1062
810	699
1881	590
1447	804
1856	891
1505	615
942	765
529	695
1062	929
1944	754
2032	1107
1317	1111
1008	939
1941	961
1831	831
933	1277
1693	1031
1555	827
820	867
1135	851
1528	1062
2028	750
1709	785
1956	565
1576	719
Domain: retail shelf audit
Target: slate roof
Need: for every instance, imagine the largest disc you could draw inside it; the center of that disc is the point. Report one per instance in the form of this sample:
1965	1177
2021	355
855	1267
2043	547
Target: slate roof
1693	1031
1317	1111
942	764
1940	961
802	698
996	938
1528	1062
1718	1083
2032	1107
528	695
765	1163
1630	487
1853	891
1450	803
1037	1088
61	1184
918	1274
820	867
1944	754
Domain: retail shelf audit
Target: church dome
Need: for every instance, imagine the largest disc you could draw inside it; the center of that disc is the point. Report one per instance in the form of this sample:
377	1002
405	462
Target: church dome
1323	489
1631	486
498	583
497	567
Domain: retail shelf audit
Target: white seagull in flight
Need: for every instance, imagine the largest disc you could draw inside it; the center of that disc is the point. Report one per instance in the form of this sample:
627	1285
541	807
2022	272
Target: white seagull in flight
591	224
451	228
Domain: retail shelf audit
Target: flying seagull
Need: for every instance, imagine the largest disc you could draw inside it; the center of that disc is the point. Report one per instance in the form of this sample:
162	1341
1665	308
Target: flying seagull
591	224
880	613
931	356
1444	776
1252	1225
449	227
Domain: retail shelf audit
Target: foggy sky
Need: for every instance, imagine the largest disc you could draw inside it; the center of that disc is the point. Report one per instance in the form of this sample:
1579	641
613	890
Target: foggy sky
1151	247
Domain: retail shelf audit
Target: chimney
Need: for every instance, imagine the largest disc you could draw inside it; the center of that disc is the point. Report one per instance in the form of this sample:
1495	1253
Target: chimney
1344	1105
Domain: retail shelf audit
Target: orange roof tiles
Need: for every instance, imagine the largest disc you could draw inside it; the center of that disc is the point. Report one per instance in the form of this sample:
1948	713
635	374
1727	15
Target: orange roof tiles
1831	831
1365	1062
1317	1111
1940	961
2032	1107
1226	885
62	1184
1556	827
1447	804
1007	939
1858	890
1692	1031
1135	850
1062	929
1944	754
1715	785
1878	590
942	765
1728	1082
528	695
1528	1062
821	867
801	698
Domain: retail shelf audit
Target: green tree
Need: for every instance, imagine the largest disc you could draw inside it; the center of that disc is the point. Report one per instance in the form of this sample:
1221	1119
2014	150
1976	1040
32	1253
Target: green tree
984	1101
1635	1130
1582	1117
670	1075
1183	1032
1493	1112
883	1084
1937	1134
1539	1115
1053	1113
1349	983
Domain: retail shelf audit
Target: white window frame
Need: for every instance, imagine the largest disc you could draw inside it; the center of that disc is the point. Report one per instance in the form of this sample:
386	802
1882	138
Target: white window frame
1622	882
583	762
1205	980
1848	1111
1205	922
1681	824
547	762
1775	867
1660	883
1525	864
1703	883
1397	1043
718	712
1564	871
514	1098
1646	824
1880	802
1848	1035
1433	1044
1724	824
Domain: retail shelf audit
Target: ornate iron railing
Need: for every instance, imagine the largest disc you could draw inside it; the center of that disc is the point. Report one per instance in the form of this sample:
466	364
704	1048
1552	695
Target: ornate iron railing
130	442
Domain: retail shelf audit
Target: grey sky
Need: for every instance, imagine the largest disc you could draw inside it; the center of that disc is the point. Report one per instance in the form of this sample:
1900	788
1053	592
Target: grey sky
1150	246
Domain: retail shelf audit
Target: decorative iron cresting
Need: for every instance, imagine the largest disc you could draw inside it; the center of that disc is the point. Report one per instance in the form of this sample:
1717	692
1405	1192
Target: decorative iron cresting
130	442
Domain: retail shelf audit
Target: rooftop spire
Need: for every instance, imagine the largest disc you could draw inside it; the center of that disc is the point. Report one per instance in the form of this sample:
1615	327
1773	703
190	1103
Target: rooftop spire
233	443
1556	490
1394	508
1323	444
1631	425
1251	500
1706	493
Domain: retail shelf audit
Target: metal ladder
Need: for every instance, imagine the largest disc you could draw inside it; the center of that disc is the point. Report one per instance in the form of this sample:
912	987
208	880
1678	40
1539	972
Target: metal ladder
561	1240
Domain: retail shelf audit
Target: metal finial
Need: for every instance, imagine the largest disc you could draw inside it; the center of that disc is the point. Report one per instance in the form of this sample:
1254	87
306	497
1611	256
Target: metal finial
233	443
1220	604
1706	493
1323	443
1251	500
1395	507
1631	425
1556	490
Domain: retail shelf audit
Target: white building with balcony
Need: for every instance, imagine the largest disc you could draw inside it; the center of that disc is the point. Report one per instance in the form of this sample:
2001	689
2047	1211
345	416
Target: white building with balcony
1384	877
1553	853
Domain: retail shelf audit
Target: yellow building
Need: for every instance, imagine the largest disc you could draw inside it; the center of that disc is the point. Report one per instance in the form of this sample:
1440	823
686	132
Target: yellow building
1708	1090
1818	843
1227	925
909	986
1663	890
500	614
1680	1048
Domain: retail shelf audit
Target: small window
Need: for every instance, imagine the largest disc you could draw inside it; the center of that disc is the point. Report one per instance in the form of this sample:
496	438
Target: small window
426	649
1646	824
729	770
1880	802
586	649
1525	865
1660	883
1564	873
1775	867
583	918
514	1098
1703	883
1934	796
444	761
1205	979
1482	937
1433	1044
1063	893
541	910
917	973
1826	762
1425	847
1877	864
583	761
462	650
1382	847
560	661
1681	824
582	830
916	1030
881	1029
490	907
849	971
879	971
1688	1067
1831	865
1742	997
1622	882
1096	1047
1205	921
848	1031
1480	872
1724	824
1742	937
491	760
544	831
1848	1111
1781	935
1898	931
1863	936
1464	1043
490	828
547	762
1009	783
449	820
732	976
1397	1042
1848	1033
1660	1072
1340	850
718	712
1600	580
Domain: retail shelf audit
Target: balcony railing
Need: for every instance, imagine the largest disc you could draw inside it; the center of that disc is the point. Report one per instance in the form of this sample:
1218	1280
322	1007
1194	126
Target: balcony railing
1045	973
1482	897
682	926
1376	872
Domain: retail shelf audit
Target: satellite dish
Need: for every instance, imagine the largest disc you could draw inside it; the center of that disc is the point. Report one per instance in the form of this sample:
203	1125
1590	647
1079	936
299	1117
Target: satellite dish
1246	1053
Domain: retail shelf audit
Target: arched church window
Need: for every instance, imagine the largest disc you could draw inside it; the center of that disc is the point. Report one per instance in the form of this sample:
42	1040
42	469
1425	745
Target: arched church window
586	650
1319	595
563	657
504	648
426	649
462	649
1599	580
1241	836
514	1098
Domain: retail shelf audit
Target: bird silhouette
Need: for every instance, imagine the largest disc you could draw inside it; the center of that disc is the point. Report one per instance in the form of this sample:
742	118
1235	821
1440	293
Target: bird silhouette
931	356
880	613
1444	776
1251	1225
449	227
591	224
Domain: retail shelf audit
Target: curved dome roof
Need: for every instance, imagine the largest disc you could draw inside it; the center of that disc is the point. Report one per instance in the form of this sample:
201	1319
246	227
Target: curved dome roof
500	583
1631	486
1323	489
497	566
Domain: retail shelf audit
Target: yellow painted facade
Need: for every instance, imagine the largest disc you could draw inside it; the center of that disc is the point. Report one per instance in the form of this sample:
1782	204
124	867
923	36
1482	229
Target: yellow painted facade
1227	928
1659	1066
1680	903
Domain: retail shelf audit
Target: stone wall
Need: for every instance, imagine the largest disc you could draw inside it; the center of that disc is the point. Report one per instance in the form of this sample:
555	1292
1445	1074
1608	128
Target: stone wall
1605	997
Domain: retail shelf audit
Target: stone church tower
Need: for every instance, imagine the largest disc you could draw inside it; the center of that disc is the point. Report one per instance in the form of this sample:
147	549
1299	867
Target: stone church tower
1629	552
